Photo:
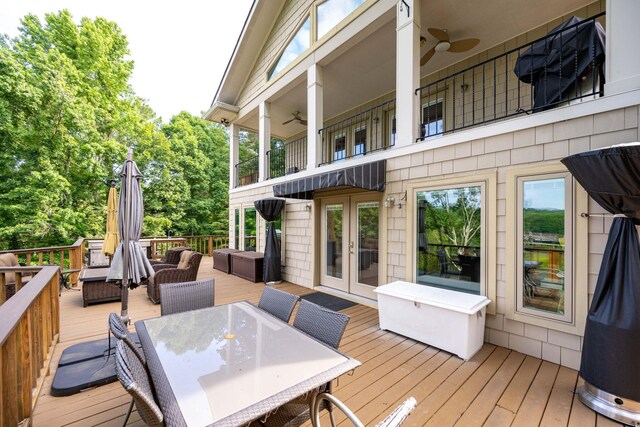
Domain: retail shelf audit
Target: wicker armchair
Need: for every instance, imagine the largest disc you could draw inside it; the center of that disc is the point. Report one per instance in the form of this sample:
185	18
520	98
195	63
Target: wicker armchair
170	273
172	256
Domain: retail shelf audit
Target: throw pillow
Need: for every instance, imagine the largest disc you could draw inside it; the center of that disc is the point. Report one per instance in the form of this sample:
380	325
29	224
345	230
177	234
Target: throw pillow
185	257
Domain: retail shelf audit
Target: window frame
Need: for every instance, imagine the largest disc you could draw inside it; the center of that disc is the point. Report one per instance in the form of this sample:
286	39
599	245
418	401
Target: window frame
424	109
488	184
568	252
271	74
579	239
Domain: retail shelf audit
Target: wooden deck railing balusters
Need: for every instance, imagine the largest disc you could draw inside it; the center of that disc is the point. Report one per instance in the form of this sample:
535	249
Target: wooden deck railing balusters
30	326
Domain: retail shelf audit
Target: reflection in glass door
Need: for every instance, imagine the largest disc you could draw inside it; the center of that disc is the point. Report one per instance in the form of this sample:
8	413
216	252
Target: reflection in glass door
367	219
350	236
334	240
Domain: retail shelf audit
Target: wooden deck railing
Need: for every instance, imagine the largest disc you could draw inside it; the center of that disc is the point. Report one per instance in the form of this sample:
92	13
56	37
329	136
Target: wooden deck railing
67	257
204	244
29	328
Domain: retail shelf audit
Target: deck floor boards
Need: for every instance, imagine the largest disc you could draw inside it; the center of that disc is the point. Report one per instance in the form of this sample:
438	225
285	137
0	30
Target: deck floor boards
496	387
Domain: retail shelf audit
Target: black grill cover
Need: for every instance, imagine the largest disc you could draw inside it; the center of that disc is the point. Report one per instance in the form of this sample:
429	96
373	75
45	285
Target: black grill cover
555	64
370	176
269	209
611	346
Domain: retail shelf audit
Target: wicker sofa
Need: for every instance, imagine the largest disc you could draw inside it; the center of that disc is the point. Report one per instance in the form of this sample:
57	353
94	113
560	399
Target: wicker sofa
172	256
171	273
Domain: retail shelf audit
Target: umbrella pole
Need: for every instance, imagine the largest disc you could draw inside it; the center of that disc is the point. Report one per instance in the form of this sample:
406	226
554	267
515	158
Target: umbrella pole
124	314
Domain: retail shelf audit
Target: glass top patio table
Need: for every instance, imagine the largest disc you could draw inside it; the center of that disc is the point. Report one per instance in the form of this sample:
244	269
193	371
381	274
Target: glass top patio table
230	364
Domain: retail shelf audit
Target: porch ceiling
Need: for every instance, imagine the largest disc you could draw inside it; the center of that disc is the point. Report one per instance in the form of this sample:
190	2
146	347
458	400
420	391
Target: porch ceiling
492	22
364	68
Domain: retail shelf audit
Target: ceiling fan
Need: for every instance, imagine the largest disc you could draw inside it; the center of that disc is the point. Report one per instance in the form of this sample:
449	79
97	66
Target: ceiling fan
445	45
296	118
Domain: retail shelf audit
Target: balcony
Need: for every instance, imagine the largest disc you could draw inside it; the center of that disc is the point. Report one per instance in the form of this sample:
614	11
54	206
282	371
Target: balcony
562	68
247	171
287	158
368	131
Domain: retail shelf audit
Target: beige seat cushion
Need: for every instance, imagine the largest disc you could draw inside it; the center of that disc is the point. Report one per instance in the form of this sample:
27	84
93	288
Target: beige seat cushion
185	257
9	260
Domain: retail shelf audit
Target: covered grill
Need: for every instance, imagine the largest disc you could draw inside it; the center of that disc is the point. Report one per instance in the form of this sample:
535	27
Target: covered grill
556	65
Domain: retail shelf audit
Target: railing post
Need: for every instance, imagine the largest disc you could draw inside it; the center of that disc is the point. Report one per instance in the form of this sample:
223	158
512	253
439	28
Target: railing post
210	245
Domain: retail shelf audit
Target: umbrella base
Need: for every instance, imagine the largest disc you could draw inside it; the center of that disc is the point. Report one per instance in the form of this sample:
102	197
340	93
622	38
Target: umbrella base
84	366
623	410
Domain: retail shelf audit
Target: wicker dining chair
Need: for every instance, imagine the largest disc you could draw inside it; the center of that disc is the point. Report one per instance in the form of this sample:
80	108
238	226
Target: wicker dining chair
321	323
277	302
185	296
324	325
119	330
134	378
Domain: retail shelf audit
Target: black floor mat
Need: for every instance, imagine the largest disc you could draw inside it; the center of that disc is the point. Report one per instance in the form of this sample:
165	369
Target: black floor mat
328	301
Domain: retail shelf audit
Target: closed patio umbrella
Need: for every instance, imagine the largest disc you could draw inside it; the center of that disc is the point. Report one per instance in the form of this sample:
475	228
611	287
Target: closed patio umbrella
269	209
130	265
111	239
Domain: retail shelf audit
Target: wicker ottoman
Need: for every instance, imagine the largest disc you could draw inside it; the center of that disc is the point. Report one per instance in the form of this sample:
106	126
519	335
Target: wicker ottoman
247	265
222	259
96	289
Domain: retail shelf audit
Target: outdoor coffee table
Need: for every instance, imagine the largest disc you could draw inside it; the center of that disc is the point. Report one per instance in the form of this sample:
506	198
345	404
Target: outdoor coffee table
95	287
231	364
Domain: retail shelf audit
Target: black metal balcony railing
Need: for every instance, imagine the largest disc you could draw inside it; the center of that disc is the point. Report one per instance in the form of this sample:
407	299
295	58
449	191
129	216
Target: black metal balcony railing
247	171
560	68
288	158
371	130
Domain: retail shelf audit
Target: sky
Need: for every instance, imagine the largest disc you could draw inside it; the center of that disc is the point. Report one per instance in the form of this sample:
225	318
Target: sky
180	48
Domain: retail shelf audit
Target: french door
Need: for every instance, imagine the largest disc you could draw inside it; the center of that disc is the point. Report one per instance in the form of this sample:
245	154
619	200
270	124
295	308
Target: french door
350	260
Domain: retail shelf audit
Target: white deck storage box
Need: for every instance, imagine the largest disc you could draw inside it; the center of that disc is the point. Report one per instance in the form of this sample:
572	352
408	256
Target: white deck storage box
452	321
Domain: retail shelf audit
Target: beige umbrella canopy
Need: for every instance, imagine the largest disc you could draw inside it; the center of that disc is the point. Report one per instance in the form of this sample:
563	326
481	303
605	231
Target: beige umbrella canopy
111	238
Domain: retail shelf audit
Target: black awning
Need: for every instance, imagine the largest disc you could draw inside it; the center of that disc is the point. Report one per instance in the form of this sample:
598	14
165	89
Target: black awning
370	176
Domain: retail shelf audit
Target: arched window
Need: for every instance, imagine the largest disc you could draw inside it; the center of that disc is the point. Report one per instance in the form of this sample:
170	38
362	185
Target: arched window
331	12
298	44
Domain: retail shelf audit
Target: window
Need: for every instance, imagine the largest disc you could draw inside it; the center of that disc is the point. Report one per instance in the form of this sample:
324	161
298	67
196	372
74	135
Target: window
544	221
339	146
392	130
546	248
331	12
298	44
449	237
250	227
432	119
237	229
360	141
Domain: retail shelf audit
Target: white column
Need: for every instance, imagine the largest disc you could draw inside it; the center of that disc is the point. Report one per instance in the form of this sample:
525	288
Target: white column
315	116
407	71
623	33
264	138
234	139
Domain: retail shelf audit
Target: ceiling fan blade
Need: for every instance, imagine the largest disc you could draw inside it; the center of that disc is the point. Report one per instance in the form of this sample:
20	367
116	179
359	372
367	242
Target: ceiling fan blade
441	35
303	122
288	121
463	45
427	56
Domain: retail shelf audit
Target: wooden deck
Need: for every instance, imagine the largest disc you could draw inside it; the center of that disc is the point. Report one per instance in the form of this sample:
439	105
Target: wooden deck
497	387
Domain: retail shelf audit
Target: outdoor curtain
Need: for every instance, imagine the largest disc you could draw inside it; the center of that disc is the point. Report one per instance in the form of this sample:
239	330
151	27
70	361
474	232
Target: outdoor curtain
269	209
139	267
611	343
